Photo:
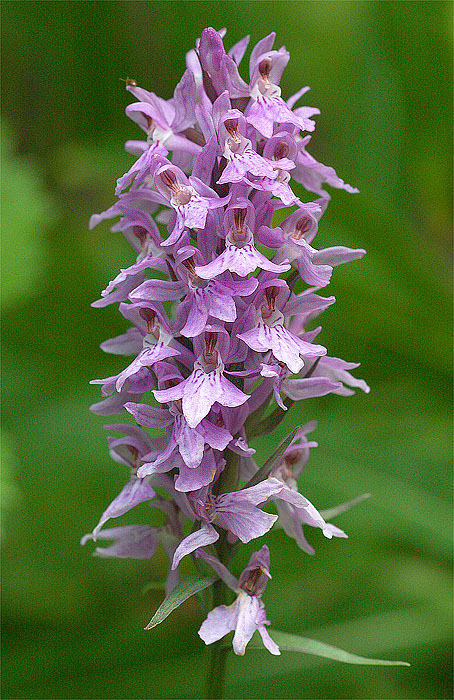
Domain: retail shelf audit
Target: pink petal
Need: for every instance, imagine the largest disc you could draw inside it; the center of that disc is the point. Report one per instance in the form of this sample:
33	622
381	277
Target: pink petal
219	622
206	535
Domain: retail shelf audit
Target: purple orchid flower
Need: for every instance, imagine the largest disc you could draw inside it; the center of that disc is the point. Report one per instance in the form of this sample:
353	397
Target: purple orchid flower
241	157
236	512
247	613
293	508
240	255
190	442
155	347
206	298
190	198
270	332
219	340
163	121
267	106
206	385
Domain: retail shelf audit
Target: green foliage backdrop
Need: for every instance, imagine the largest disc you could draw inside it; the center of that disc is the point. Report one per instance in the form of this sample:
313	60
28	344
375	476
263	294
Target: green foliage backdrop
73	625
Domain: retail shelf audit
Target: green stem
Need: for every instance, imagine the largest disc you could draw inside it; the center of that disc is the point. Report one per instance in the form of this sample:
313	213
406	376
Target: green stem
216	671
214	684
215	678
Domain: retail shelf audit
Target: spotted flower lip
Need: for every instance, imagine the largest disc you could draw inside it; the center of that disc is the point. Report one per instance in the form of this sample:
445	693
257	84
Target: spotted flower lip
200	391
218	297
285	347
243	260
206	385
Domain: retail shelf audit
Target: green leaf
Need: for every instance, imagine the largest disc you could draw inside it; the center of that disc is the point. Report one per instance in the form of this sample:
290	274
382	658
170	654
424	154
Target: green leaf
265	470
343	507
293	642
185	589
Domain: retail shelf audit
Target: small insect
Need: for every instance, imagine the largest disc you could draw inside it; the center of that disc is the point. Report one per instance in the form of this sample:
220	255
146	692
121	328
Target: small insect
129	81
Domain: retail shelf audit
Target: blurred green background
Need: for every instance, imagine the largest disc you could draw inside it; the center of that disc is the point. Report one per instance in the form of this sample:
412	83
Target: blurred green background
381	74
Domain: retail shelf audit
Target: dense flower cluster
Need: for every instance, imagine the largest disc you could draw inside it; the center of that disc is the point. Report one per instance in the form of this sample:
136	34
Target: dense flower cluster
219	335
